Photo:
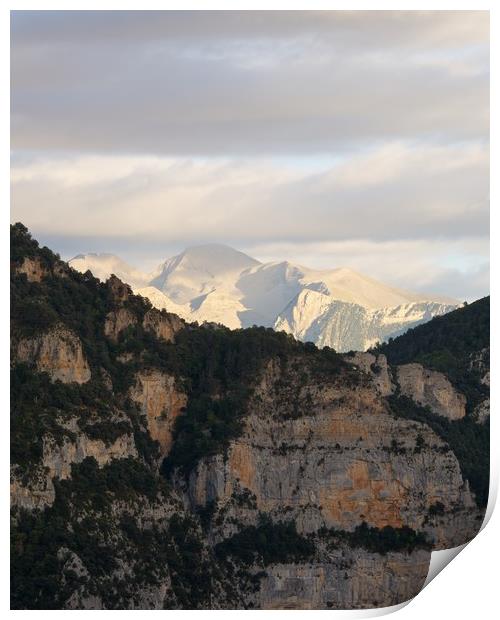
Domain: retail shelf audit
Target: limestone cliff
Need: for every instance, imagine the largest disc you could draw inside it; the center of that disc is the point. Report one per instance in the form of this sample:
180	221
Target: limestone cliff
162	465
58	458
160	402
119	291
162	324
33	269
59	453
376	367
345	459
347	579
117	321
58	352
34	494
432	389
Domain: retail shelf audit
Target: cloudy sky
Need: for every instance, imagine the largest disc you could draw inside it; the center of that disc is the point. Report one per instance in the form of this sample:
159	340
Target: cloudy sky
330	139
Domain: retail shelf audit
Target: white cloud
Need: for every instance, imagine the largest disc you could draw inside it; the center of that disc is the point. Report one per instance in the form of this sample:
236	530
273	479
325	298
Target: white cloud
413	216
360	137
254	83
396	190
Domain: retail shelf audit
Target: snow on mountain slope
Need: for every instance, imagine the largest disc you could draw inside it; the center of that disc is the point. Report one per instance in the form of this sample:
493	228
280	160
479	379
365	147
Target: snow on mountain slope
215	307
352	287
103	265
200	270
218	306
344	326
162	302
266	289
340	308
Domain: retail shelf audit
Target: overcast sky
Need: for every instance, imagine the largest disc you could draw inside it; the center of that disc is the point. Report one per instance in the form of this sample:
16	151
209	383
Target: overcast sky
330	139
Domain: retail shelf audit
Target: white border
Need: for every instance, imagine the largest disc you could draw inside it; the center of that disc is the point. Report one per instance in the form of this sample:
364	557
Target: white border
468	587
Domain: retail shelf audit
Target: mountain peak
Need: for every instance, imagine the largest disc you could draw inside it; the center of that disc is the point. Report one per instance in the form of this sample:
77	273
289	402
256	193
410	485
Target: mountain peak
198	270
210	259
219	255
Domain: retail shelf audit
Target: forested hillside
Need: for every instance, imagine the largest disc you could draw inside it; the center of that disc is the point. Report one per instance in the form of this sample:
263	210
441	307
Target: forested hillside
157	464
456	344
449	343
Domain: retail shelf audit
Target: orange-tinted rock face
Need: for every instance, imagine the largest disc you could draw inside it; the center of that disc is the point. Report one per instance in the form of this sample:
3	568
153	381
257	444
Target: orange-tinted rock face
58	352
242	465
336	464
161	403
377	502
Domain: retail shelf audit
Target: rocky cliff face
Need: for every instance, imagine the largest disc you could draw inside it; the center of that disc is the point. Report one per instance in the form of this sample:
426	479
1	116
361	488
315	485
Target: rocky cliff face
432	389
163	326
161	465
117	321
33	269
335	464
160	402
58	352
348	579
425	387
57	460
376	367
34	494
59	457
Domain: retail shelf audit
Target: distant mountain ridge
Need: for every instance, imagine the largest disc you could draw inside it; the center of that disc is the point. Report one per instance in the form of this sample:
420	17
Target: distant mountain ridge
340	308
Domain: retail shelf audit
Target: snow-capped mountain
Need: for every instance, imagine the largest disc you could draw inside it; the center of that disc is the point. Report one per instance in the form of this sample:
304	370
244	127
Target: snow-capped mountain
344	326
161	301
200	270
339	308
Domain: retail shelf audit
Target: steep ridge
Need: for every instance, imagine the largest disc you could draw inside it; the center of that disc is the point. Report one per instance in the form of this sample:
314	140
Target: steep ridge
203	468
457	344
315	317
216	283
